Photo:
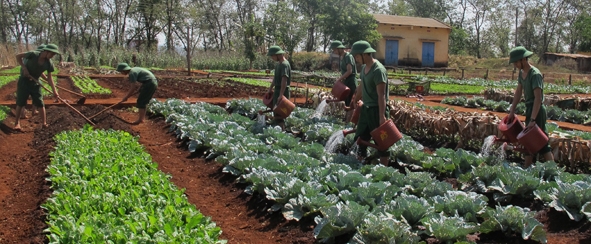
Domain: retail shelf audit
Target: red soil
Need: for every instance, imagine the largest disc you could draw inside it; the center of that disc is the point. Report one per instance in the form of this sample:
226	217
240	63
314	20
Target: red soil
243	218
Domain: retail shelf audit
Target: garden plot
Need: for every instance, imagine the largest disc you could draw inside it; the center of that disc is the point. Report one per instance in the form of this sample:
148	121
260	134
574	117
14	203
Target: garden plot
193	88
241	218
88	86
246	218
349	200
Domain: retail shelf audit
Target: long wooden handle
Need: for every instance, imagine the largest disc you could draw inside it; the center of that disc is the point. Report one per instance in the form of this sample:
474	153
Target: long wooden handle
70	106
73	92
105	110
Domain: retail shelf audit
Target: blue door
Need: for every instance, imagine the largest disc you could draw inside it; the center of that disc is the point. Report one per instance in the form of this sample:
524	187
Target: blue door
391	52
428	54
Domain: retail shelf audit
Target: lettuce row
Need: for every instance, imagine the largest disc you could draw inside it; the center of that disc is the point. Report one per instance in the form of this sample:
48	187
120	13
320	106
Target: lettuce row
107	189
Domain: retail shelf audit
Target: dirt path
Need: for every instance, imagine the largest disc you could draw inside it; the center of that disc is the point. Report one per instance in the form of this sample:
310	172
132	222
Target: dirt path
243	218
22	188
25	156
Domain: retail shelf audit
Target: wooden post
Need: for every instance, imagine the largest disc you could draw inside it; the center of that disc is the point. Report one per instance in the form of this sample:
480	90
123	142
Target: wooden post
426	71
444	72
513	75
409	71
462	74
307	92
570	78
486	76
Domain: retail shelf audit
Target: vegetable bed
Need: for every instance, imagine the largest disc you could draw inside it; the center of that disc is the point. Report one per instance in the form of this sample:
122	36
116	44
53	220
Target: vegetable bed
366	203
125	200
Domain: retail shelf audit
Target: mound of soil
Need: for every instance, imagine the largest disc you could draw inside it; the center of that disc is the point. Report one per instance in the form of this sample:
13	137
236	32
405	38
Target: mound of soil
23	161
182	88
242	217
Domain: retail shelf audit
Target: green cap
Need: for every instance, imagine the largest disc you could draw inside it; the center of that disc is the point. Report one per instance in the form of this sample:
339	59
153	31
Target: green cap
40	47
336	44
273	50
123	67
361	47
52	48
518	53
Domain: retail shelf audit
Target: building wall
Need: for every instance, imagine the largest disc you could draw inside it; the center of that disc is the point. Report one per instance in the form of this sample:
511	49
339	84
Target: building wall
583	64
410	43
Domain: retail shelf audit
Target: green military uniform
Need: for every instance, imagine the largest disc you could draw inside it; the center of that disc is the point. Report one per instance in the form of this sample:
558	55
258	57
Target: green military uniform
347	59
369	118
350	81
281	69
532	81
149	85
27	87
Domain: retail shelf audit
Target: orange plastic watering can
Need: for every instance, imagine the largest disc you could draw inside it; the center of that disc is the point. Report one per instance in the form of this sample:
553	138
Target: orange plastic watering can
511	128
268	99
340	91
384	136
283	108
533	139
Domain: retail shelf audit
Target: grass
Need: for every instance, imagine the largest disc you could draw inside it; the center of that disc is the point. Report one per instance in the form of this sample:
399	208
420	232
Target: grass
438	88
7	79
15	70
251	81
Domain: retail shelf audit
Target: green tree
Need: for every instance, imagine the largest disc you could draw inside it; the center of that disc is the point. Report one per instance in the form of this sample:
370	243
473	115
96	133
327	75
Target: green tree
310	10
350	21
186	28
458	41
254	35
583	25
437	9
284	26
399	7
150	17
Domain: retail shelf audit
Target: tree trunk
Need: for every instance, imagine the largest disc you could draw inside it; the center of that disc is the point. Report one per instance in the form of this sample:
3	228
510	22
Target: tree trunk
311	38
189	43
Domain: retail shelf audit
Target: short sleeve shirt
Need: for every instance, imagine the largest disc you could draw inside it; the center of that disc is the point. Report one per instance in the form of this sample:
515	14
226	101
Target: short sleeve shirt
31	61
140	75
282	69
532	81
376	75
348	59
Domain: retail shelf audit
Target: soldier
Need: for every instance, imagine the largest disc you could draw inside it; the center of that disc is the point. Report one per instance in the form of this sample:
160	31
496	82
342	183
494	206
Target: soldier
531	85
148	87
281	78
33	64
348	74
374	93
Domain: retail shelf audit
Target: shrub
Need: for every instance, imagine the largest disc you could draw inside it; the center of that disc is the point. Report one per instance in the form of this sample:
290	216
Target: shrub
309	61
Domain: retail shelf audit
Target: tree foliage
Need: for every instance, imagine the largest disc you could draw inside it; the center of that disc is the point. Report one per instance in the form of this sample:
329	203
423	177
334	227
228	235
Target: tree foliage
480	28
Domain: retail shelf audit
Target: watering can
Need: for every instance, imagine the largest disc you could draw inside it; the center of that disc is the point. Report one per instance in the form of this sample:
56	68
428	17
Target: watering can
268	99
356	113
511	128
354	118
340	91
283	108
384	136
533	139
